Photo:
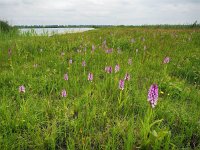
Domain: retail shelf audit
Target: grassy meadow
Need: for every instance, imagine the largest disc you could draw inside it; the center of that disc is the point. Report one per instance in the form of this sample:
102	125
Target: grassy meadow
97	114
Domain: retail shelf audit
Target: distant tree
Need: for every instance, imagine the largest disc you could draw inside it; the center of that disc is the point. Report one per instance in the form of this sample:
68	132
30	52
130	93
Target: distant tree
4	26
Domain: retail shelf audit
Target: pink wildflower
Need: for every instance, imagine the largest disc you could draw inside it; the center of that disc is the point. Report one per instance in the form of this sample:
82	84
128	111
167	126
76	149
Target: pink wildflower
22	89
127	77
90	76
153	95
70	61
64	93
108	69
121	84
66	77
117	68
166	60
108	51
93	48
84	63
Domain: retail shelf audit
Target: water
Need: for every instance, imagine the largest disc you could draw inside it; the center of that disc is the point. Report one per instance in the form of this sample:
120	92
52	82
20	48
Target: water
51	31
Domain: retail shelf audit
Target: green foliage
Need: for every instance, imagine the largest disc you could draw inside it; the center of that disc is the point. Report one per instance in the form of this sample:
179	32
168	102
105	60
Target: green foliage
152	135
7	31
4	26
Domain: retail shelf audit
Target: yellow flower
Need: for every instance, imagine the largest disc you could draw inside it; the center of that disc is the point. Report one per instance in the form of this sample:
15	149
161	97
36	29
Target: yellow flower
81	131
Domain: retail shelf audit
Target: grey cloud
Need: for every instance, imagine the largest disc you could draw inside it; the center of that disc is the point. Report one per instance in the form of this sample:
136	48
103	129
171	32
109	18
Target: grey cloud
100	11
9	3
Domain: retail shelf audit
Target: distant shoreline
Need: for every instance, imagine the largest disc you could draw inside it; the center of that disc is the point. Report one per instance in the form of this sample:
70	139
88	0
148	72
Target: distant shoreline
107	26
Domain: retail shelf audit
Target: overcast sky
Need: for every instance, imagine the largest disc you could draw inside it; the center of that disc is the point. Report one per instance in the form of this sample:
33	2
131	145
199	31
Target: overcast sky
135	12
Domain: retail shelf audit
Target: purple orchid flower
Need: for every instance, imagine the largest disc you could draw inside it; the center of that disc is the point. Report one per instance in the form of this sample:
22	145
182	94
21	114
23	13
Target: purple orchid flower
108	69
90	76
153	95
117	68
84	63
66	77
22	89
121	84
127	77
166	60
64	93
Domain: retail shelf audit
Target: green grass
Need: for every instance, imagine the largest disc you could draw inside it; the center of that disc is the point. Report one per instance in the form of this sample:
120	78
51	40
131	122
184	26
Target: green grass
97	114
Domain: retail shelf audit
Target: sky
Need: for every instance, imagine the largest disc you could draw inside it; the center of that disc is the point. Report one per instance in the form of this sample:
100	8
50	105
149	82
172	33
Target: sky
106	12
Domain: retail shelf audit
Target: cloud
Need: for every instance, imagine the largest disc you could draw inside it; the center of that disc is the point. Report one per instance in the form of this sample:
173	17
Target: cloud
100	11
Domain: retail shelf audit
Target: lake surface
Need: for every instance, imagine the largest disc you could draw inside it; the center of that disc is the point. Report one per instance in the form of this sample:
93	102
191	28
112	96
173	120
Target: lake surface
51	31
